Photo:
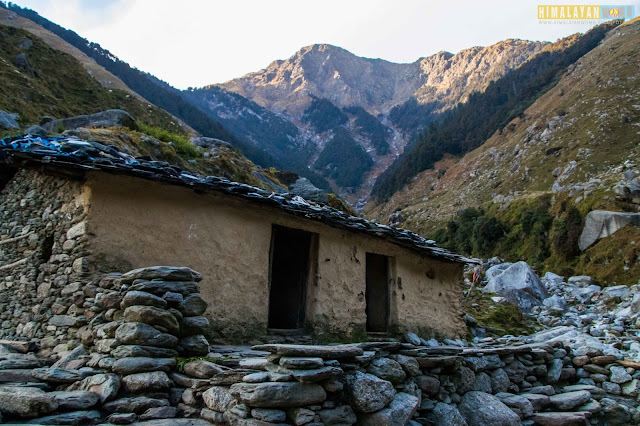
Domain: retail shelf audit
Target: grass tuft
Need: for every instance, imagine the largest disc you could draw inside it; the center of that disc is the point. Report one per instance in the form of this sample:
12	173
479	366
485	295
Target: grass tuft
498	319
181	143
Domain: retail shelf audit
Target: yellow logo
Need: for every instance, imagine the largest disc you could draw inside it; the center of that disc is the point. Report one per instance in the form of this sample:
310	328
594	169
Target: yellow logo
585	11
568	12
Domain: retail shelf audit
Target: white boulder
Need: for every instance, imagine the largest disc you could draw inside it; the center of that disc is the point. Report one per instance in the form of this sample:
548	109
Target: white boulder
517	283
602	223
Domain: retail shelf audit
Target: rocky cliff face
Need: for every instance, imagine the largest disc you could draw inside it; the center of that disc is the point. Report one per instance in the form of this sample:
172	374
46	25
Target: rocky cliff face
323	90
330	72
450	79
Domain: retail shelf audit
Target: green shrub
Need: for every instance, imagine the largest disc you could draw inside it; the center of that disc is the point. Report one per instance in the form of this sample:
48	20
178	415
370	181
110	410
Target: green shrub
566	232
498	319
517	233
487	231
472	231
181	143
337	203
536	221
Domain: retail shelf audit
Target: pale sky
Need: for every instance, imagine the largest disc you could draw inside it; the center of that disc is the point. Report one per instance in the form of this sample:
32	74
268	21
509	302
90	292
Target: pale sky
200	42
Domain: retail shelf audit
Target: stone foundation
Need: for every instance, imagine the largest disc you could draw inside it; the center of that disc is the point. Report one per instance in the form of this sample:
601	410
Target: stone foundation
393	383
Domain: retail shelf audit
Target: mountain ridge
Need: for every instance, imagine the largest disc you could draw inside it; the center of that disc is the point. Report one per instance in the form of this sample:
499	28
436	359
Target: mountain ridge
284	137
470	124
339	63
323	80
574	150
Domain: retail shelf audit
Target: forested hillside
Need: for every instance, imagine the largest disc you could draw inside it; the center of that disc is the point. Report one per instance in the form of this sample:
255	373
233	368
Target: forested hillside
526	192
470	124
325	90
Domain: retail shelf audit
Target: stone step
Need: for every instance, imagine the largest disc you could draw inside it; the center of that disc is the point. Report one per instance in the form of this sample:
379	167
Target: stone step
22	347
432	351
562	419
538	401
61	375
569	400
173	422
321	351
43	386
385	346
70	418
505	350
21	362
438	361
596	392
20	375
164	273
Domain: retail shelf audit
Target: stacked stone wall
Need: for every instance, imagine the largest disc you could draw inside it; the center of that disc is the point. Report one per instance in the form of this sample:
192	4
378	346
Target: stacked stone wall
393	383
43	263
144	358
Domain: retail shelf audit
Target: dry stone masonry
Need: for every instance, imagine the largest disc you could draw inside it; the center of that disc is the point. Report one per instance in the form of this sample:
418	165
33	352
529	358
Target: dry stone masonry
106	181
84	348
144	358
142	321
43	269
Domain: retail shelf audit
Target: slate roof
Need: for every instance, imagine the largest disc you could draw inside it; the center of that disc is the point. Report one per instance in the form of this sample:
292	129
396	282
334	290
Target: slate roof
76	154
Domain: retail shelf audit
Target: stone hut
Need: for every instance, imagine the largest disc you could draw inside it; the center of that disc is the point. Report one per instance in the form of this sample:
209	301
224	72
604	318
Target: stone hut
271	263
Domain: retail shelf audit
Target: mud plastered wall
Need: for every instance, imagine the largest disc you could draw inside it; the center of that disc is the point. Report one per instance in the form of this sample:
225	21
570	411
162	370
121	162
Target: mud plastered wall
136	223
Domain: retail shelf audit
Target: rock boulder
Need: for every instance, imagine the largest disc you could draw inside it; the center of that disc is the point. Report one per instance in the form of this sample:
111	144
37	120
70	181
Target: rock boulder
481	409
518	283
602	223
368	393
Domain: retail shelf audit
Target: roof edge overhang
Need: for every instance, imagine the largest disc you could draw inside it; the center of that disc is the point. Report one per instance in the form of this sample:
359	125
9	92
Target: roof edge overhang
72	167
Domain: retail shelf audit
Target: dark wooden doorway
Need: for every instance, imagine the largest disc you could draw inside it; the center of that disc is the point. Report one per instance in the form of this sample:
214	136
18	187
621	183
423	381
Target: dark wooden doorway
290	256
377	293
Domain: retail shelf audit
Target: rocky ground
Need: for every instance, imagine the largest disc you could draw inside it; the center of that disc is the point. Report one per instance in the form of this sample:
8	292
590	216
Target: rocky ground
598	326
137	366
575	310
